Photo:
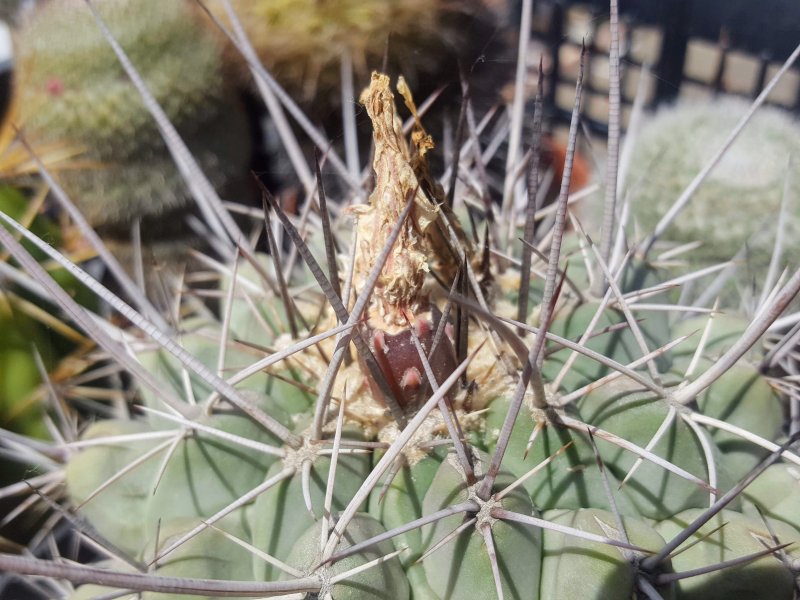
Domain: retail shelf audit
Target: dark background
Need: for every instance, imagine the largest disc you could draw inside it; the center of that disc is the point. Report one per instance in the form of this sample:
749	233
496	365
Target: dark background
756	26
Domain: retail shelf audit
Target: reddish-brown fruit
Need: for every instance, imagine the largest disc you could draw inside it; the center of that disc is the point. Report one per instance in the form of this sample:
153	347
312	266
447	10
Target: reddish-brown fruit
399	360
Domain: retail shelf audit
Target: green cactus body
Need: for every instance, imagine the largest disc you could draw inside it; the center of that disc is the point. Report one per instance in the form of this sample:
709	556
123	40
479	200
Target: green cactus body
611	335
279	516
387	582
90	468
211	555
745	398
420	588
244	323
291	391
462	569
201	338
634	414
92	591
619	344
724	330
206	473
235	482
571	481
402	503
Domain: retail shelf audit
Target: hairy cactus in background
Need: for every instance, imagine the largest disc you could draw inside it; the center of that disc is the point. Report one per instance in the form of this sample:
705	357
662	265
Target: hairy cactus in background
740	201
389	433
73	89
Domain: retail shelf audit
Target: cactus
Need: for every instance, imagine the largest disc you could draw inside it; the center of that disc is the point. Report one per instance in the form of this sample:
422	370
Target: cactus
741	199
73	89
382	430
302	43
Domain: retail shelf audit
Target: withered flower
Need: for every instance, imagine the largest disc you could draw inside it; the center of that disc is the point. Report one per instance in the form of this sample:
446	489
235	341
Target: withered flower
401	298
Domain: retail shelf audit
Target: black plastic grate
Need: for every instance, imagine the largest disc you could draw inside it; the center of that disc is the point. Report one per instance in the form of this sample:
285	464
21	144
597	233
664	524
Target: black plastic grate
692	48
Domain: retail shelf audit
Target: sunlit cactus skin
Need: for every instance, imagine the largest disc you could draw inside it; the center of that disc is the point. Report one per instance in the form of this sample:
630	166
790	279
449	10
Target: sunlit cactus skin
743	397
723	330
635	415
402	503
279	517
211	556
463	567
388	582
572	322
90	469
569	482
252	462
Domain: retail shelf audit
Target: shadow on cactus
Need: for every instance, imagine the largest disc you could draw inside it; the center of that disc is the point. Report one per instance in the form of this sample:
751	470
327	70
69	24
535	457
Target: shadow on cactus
372	424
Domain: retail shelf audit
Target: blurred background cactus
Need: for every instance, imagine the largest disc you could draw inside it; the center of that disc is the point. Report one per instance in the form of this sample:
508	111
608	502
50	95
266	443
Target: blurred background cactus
739	204
304	44
72	89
